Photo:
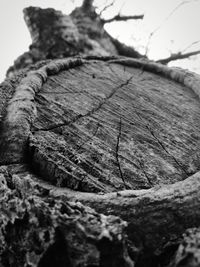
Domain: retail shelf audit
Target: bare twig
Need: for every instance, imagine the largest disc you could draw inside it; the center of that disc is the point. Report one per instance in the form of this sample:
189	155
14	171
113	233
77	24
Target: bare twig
122	18
177	56
106	7
189	46
164	21
122	6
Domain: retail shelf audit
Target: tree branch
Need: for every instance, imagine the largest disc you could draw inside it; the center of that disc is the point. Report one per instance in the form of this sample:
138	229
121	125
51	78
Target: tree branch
189	46
177	56
106	7
164	21
122	18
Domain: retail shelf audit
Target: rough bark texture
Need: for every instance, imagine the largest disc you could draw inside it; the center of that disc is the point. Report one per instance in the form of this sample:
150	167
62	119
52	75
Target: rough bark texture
188	253
55	35
38	231
81	129
86	136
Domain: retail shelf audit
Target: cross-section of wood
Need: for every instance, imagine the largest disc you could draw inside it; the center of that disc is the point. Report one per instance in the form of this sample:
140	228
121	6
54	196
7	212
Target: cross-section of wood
91	127
106	127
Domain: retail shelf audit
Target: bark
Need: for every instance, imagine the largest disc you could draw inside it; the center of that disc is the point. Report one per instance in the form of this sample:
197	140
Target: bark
178	56
91	135
156	217
56	35
38	231
188	251
86	125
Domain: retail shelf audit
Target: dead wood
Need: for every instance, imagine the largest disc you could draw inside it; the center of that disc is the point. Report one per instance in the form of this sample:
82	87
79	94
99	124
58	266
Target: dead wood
76	147
155	216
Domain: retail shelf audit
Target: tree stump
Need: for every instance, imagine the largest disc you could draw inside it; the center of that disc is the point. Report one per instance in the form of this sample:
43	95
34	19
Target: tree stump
119	135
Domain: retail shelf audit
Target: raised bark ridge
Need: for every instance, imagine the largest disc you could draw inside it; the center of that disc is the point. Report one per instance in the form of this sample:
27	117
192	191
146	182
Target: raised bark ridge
155	216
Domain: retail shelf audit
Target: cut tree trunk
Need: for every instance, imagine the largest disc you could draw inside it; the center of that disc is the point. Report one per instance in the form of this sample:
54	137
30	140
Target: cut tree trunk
88	129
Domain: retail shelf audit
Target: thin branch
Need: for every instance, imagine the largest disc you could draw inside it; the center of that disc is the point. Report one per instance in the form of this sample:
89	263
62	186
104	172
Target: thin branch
164	21
106	7
177	56
122	6
189	46
122	18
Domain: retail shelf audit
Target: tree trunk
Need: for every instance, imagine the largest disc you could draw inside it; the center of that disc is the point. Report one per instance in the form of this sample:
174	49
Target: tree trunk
82	124
92	135
55	35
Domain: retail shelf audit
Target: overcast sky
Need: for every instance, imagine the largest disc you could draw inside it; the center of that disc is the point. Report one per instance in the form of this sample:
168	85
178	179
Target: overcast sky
177	28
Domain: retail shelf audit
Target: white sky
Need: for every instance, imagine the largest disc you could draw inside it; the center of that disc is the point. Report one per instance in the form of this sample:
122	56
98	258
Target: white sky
173	34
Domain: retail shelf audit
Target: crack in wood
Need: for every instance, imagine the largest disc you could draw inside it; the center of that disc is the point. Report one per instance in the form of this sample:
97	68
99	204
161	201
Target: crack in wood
86	141
63	93
62	124
156	214
141	164
160	143
164	148
117	154
89	113
142	167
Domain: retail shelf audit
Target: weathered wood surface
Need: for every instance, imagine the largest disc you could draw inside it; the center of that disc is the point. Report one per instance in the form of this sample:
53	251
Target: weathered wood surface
102	126
105	127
